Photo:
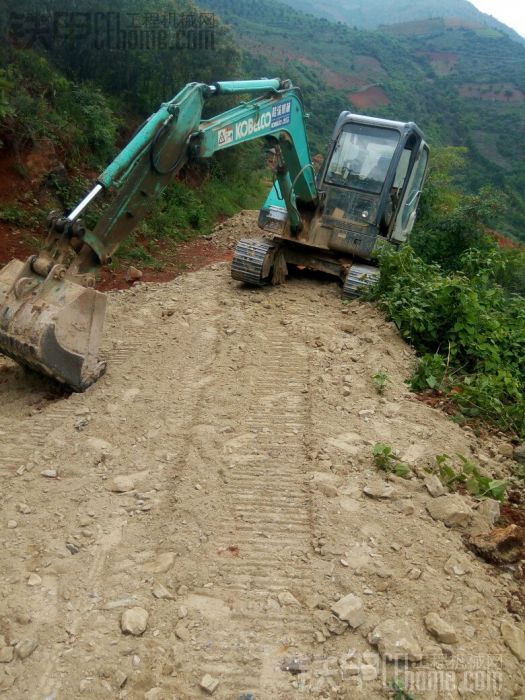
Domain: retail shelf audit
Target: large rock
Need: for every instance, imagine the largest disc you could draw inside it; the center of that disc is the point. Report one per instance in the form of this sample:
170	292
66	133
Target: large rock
440	629
378	488
504	545
25	648
286	598
451	510
134	621
133	274
98	445
514	638
209	683
434	486
122	483
350	609
161	592
395	641
457	565
519	453
159	564
182	632
326	484
506	450
489	509
486	514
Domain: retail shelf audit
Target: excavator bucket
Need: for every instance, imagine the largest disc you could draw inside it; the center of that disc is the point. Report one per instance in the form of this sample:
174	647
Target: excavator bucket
51	324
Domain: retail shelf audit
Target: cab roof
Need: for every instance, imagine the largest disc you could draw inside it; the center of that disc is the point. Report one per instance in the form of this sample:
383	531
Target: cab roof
347	117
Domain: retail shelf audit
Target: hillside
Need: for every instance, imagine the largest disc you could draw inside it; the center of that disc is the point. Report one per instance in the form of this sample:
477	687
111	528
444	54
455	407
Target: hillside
64	114
478	80
371	14
465	86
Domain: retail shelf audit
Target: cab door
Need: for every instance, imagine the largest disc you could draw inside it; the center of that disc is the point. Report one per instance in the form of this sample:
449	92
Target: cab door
406	213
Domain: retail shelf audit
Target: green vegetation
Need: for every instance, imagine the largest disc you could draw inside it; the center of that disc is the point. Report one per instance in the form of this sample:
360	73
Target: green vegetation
462	306
80	107
470	477
398	690
386	460
38	102
183	213
469	330
332	62
381	380
13	215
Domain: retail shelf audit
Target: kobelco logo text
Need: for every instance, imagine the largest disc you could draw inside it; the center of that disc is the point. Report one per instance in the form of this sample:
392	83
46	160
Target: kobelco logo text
252	126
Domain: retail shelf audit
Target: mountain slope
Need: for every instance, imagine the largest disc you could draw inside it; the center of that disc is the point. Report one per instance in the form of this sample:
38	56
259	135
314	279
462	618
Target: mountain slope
464	86
371	14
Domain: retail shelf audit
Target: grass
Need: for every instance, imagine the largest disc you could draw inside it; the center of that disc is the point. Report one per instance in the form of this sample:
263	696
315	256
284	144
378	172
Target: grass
184	213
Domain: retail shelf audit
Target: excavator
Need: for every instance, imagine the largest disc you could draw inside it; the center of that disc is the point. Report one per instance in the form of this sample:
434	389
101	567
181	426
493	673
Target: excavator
364	196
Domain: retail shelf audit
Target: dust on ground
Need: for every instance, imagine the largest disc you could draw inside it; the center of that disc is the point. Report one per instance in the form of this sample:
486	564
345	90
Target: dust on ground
214	495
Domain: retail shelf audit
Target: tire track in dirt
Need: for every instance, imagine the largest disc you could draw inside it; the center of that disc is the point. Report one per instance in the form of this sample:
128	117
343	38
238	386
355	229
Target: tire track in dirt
176	403
269	518
21	442
179	410
250	512
20	439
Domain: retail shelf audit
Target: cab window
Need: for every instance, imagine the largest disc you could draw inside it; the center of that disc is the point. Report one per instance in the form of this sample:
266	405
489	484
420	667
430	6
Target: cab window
361	157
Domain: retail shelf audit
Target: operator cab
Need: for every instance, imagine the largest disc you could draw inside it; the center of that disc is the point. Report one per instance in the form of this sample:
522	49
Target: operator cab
371	180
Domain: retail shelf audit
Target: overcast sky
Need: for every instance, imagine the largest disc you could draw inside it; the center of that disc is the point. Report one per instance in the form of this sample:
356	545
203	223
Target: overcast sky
511	12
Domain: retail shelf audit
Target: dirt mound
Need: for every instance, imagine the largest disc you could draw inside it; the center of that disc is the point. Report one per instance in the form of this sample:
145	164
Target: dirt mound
215	497
242	225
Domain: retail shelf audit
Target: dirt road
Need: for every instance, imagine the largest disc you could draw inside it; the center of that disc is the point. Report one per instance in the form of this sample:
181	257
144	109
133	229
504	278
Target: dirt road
220	479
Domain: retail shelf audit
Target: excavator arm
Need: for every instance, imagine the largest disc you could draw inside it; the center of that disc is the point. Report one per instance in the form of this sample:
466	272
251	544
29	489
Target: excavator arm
51	317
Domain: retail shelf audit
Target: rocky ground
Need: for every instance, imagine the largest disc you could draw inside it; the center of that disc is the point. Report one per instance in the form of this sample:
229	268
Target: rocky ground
208	518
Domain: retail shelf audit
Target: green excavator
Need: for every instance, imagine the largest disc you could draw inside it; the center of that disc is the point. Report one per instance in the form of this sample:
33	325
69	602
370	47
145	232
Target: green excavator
365	195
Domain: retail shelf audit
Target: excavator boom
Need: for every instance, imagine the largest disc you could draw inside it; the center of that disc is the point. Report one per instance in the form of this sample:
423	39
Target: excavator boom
365	195
51	317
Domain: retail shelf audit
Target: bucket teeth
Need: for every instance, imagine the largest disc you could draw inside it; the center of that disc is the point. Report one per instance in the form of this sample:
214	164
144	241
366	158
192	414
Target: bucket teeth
53	326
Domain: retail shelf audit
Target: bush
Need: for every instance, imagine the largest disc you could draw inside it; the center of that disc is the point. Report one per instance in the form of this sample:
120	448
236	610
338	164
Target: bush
444	238
36	102
469	329
184	212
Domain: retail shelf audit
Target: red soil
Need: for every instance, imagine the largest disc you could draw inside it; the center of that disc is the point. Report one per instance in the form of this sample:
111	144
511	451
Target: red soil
188	256
371	97
11	245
